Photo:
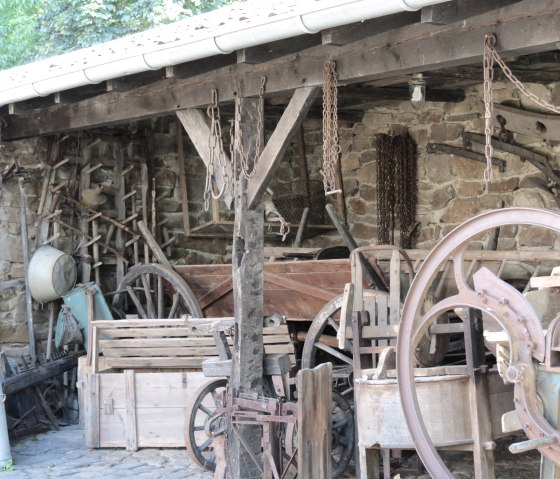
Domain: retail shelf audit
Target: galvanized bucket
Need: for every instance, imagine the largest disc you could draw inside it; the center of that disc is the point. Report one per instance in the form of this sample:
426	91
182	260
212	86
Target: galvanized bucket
51	274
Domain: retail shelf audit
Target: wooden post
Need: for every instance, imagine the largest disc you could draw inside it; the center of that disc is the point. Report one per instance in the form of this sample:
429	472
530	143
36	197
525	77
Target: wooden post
483	446
314	420
248	264
25	250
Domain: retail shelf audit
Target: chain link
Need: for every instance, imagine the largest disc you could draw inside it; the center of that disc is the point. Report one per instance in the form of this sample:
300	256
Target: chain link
236	131
491	56
488	67
216	154
331	148
396	188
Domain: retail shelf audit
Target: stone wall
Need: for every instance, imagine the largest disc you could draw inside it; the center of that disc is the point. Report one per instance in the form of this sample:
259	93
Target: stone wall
451	189
13	318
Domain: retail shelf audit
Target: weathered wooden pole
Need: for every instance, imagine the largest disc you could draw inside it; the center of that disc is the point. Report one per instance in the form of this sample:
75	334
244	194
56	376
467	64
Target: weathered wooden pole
247	265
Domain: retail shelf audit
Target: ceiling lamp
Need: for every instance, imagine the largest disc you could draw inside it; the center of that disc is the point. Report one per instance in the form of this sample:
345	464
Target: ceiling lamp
417	88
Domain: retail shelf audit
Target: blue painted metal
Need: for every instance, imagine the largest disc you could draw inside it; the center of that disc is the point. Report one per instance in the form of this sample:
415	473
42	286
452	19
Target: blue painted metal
76	303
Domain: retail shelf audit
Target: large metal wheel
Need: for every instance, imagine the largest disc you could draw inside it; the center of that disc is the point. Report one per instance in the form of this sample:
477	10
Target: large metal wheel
499	302
204	403
155	291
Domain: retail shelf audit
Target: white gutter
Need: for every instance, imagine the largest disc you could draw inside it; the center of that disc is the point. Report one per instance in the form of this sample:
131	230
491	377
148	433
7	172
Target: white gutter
39	79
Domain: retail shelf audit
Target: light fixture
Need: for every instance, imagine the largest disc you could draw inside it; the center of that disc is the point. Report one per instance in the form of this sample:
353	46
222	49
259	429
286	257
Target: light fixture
417	88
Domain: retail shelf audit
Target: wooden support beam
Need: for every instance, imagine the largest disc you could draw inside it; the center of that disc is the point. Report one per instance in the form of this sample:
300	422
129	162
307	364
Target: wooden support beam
451	12
270	51
247	265
291	120
523	28
364	97
130	82
197	127
358	31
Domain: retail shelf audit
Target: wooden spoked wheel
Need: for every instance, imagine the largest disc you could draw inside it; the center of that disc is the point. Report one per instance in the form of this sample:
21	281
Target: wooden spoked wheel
204	403
342	427
155	291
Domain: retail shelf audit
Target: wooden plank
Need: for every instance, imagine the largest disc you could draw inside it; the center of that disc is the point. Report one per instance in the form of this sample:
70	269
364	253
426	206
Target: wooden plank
183	192
130	426
389	53
451	12
197	126
541	282
299	286
92	402
291	120
540	125
358	31
216	293
269	51
155	362
314	418
153	244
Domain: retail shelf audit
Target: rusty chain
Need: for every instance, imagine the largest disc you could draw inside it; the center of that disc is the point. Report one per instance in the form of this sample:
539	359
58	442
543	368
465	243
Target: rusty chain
491	56
396	189
216	152
331	148
488	67
236	133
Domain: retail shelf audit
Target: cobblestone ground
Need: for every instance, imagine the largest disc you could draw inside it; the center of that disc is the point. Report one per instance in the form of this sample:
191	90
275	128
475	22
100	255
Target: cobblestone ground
63	454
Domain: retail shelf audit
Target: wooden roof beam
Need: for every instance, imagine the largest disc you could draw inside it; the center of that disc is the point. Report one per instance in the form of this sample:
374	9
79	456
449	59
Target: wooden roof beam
451	12
270	51
197	126
293	116
522	28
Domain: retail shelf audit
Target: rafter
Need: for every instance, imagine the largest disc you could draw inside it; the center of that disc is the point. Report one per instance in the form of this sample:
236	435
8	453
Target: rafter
522	28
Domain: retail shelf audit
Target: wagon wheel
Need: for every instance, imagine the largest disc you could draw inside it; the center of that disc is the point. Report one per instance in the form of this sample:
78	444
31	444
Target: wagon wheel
321	343
205	401
342	427
155	291
499	302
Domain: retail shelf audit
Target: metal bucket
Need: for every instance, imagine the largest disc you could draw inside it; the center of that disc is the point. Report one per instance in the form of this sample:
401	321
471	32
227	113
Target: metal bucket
51	274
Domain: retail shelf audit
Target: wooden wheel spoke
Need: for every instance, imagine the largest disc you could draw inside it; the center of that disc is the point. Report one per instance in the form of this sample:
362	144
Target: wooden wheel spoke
149	301
198	428
205	410
174	305
160	297
205	445
333	352
141	311
333	324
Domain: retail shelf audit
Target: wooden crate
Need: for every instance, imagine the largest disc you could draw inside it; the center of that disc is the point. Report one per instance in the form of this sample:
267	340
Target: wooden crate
135	409
141	374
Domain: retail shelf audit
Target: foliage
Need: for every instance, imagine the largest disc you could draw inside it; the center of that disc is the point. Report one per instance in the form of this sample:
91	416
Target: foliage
34	29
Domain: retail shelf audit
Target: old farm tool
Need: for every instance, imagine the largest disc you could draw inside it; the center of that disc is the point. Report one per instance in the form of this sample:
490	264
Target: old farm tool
531	363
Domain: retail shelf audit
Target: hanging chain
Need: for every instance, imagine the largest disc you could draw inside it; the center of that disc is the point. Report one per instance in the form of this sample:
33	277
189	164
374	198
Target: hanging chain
236	131
491	56
216	154
331	148
488	66
396	188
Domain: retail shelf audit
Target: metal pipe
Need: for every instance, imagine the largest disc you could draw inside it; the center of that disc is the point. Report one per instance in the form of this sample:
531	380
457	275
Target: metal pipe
5	454
41	78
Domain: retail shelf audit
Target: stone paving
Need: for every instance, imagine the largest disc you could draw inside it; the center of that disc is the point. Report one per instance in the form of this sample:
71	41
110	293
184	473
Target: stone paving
63	454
